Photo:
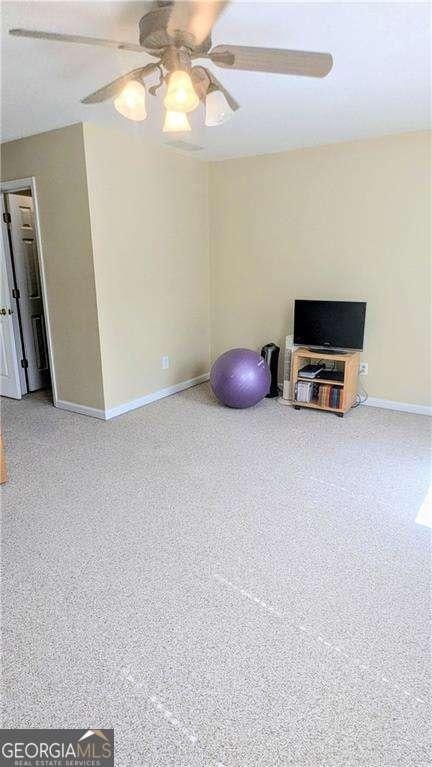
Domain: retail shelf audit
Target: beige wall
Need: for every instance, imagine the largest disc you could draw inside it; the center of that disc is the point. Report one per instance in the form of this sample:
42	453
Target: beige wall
347	221
149	217
56	160
127	231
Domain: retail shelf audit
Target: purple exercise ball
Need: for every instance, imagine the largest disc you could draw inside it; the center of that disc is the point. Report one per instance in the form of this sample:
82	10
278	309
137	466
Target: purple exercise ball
240	378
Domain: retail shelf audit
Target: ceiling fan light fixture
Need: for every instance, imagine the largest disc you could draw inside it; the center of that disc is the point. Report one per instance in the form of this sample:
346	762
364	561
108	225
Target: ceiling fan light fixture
176	122
217	109
181	95
131	102
175	33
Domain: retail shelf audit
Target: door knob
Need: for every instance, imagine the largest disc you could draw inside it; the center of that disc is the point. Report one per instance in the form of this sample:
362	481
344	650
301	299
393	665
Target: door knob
3	310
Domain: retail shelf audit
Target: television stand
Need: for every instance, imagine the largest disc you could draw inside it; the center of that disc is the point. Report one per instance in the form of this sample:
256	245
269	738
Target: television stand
326	350
346	380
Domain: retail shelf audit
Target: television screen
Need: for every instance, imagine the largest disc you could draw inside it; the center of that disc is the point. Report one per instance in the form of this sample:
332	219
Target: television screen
329	324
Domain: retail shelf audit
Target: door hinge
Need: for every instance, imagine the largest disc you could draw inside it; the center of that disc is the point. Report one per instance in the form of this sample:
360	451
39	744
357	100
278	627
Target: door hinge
24	363
7	218
16	293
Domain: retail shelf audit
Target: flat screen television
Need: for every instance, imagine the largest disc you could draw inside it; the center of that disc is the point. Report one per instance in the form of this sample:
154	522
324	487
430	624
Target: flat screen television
329	324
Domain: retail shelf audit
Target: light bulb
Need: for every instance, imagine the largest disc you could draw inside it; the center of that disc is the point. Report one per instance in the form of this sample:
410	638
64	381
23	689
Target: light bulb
180	96
131	101
217	109
175	122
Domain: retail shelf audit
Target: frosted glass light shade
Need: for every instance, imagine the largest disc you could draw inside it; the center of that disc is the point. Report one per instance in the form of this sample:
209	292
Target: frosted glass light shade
131	102
217	109
180	96
176	122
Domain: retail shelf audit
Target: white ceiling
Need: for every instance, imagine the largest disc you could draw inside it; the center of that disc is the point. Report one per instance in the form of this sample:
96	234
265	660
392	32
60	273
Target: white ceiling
380	82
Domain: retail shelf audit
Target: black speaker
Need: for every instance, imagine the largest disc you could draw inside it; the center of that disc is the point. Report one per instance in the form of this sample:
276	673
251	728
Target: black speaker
270	352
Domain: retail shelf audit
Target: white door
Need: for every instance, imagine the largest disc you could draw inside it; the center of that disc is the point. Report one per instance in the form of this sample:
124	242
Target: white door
10	385
28	283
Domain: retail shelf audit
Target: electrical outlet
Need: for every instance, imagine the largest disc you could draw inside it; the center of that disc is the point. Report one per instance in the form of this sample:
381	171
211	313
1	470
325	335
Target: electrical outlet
165	363
363	369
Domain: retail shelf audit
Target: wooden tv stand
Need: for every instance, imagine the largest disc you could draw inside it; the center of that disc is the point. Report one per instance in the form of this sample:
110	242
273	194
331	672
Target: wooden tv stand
348	362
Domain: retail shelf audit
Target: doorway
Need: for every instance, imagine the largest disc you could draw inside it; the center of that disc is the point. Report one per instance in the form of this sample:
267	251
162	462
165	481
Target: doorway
25	345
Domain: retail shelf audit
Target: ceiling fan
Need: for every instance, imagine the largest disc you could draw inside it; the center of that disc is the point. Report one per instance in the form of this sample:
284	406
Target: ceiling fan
176	33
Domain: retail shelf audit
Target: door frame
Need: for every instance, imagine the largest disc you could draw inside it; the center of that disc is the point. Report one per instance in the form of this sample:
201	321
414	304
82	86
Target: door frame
16	323
20	185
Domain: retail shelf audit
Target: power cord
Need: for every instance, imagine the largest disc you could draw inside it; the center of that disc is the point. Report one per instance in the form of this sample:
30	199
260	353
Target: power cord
361	397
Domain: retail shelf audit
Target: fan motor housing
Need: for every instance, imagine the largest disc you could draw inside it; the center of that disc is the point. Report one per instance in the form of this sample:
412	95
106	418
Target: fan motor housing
154	37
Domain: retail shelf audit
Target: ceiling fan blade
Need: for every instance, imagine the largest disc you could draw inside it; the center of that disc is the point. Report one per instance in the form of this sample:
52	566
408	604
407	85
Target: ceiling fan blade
202	78
196	17
274	60
113	89
34	33
218	86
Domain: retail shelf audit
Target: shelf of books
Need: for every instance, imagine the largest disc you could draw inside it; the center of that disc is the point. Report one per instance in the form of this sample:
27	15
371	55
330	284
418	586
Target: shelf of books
329	384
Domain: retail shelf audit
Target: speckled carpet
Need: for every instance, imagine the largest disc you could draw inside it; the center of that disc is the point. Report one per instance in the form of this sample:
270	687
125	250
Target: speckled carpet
224	588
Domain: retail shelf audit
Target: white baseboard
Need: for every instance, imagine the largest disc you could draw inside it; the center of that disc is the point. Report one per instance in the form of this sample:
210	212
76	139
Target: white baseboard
405	407
124	408
105	415
73	407
112	412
